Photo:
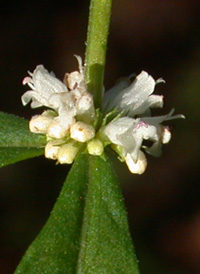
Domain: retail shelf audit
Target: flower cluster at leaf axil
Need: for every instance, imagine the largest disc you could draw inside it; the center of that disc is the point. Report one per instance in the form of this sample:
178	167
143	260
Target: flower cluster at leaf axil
72	124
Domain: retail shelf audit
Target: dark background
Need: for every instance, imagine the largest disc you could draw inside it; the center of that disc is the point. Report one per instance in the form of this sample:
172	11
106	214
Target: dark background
161	37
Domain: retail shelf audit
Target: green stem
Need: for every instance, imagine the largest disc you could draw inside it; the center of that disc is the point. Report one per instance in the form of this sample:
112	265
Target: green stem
99	20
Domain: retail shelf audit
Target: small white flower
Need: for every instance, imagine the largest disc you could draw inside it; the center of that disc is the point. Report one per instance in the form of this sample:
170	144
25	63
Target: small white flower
43	84
48	91
122	132
135	98
128	133
72	111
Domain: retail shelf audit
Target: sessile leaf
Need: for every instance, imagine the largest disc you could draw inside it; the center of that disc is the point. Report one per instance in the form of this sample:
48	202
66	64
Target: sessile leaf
106	245
16	141
87	231
56	248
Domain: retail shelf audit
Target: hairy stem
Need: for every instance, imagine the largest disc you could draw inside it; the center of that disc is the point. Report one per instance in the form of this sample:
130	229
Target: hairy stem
96	46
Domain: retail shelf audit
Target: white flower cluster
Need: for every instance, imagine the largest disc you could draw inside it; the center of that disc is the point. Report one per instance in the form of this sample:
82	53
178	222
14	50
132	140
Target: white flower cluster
70	123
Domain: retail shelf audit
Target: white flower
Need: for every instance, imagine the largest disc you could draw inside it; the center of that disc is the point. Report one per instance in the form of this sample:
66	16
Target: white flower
43	84
67	99
128	133
136	98
70	121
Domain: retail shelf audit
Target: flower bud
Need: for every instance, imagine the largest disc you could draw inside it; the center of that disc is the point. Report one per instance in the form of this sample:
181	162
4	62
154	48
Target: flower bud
56	131
95	147
82	132
51	150
40	123
67	153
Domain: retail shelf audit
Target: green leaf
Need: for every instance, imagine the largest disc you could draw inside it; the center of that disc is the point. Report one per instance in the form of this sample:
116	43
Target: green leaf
87	231
106	245
10	155
16	141
55	250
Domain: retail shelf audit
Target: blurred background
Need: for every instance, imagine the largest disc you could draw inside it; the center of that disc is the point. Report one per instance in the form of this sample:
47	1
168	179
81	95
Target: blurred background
161	37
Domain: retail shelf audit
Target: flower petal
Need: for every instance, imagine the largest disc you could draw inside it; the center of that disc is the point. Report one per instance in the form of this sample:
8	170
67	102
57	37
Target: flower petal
116	128
133	99
155	150
109	100
153	101
136	167
159	119
46	83
43	85
123	132
37	100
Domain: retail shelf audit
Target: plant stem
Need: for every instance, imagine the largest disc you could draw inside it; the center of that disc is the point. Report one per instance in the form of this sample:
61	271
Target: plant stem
96	46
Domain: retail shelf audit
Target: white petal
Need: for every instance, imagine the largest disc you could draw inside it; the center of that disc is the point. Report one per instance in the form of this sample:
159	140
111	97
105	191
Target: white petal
136	167
132	97
58	100
45	83
34	96
66	108
153	101
160	80
138	91
109	100
148	132
136	98
166	136
155	150
159	119
118	127
37	104
85	108
123	132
